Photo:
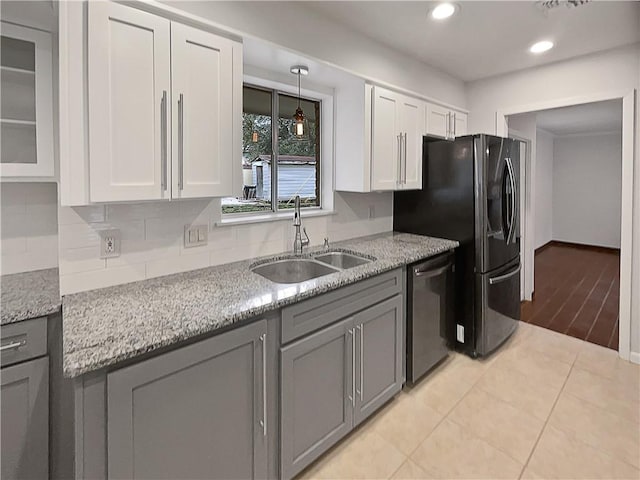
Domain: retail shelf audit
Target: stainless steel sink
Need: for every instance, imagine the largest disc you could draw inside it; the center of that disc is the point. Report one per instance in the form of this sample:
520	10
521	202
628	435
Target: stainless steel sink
293	270
342	260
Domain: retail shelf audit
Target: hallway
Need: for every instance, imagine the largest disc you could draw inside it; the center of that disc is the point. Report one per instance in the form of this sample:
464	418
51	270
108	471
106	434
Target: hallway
576	293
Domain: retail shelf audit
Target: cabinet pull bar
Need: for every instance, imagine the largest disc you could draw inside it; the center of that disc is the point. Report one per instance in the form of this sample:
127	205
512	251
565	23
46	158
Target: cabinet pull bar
163	140
263	422
181	142
399	175
454	125
361	328
13	346
405	159
353	367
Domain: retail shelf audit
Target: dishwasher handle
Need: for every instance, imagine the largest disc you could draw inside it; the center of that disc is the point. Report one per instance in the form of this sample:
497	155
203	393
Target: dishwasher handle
431	272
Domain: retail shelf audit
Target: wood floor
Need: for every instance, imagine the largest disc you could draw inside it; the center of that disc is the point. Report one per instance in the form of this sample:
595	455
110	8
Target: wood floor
576	293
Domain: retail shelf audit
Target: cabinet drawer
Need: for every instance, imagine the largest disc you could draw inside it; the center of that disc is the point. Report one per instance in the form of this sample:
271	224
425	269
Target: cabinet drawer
315	313
23	340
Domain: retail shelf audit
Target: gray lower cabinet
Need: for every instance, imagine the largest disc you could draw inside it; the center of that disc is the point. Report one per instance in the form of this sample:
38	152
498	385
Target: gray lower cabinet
379	340
334	378
316	395
195	412
25	419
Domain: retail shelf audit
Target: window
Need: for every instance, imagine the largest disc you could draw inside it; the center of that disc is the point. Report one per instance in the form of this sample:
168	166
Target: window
274	174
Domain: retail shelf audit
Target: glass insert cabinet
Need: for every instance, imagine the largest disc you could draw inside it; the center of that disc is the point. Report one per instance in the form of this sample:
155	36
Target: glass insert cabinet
26	110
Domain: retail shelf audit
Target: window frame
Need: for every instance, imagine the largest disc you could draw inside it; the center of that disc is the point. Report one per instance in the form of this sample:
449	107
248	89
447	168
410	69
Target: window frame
270	81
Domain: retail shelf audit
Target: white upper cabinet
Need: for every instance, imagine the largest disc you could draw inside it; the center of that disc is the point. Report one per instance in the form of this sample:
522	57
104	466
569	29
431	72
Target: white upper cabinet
459	124
385	139
380	136
397	127
412	129
163	111
202	79
26	104
444	122
129	82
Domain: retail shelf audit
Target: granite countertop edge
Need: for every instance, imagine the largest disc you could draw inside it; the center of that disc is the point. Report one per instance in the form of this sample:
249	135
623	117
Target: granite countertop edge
78	308
29	295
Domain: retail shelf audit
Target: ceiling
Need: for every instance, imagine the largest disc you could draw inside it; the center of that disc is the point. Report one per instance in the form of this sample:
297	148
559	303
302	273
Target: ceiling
596	117
488	38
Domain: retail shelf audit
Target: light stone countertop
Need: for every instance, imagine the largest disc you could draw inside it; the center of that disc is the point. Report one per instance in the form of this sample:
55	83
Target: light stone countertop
29	295
106	326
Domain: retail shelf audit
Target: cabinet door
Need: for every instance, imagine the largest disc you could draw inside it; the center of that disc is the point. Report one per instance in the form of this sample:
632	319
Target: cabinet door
202	95
460	124
378	356
26	103
385	140
196	412
129	83
412	128
25	420
438	121
317	390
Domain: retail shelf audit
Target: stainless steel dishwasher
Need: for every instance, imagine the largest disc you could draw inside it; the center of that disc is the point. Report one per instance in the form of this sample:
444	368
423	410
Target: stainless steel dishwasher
430	313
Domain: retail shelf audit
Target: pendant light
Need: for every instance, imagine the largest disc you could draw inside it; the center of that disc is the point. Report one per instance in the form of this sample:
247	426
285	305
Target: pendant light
300	122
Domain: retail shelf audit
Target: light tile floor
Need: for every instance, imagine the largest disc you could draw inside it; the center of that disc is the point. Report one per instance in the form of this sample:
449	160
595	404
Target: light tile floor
544	406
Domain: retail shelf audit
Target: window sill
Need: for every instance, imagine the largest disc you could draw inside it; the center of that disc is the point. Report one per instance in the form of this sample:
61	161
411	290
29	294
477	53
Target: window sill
272	217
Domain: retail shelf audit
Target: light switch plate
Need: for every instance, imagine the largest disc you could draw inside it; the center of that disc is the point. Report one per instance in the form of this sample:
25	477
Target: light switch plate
460	333
196	235
110	243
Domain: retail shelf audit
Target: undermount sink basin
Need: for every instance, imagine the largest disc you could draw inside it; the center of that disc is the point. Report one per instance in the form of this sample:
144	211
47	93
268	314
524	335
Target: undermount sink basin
342	259
293	270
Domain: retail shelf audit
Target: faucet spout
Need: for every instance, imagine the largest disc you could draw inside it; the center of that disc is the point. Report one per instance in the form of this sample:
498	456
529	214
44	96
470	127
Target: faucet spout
298	243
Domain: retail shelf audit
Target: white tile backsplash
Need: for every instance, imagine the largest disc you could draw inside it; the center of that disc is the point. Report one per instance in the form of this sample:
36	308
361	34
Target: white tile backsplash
152	237
29	227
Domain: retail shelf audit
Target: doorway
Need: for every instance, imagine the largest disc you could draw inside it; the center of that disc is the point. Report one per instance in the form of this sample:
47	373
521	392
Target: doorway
575	204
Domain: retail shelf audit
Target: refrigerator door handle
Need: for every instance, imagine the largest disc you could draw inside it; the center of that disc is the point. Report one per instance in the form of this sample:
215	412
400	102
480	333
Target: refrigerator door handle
506	276
512	221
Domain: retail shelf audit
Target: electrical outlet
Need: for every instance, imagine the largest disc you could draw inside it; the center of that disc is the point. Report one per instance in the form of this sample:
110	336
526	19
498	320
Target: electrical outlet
196	235
460	333
110	243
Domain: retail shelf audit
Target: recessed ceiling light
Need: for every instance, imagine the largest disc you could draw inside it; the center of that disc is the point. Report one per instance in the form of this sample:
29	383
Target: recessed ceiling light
540	47
442	11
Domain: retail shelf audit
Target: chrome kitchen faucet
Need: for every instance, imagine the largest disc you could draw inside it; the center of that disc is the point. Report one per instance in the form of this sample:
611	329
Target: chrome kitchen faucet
299	243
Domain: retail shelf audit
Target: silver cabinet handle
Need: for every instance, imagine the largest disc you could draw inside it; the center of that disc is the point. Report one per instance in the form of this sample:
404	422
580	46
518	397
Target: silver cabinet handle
454	125
399	176
448	134
405	159
12	345
181	142
361	328
163	140
263	422
353	366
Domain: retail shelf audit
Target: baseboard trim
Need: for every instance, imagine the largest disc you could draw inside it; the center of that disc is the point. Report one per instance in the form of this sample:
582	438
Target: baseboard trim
582	246
634	357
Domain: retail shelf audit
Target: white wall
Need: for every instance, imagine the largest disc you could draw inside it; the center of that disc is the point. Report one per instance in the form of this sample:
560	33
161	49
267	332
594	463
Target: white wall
613	70
587	180
524	126
29	235
152	237
545	207
294	26
601	72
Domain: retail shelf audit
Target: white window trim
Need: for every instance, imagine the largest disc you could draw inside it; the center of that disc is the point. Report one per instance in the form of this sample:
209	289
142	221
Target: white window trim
326	156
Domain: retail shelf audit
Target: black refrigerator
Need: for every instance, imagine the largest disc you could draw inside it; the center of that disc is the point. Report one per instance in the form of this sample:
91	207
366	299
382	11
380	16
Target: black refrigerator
470	193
